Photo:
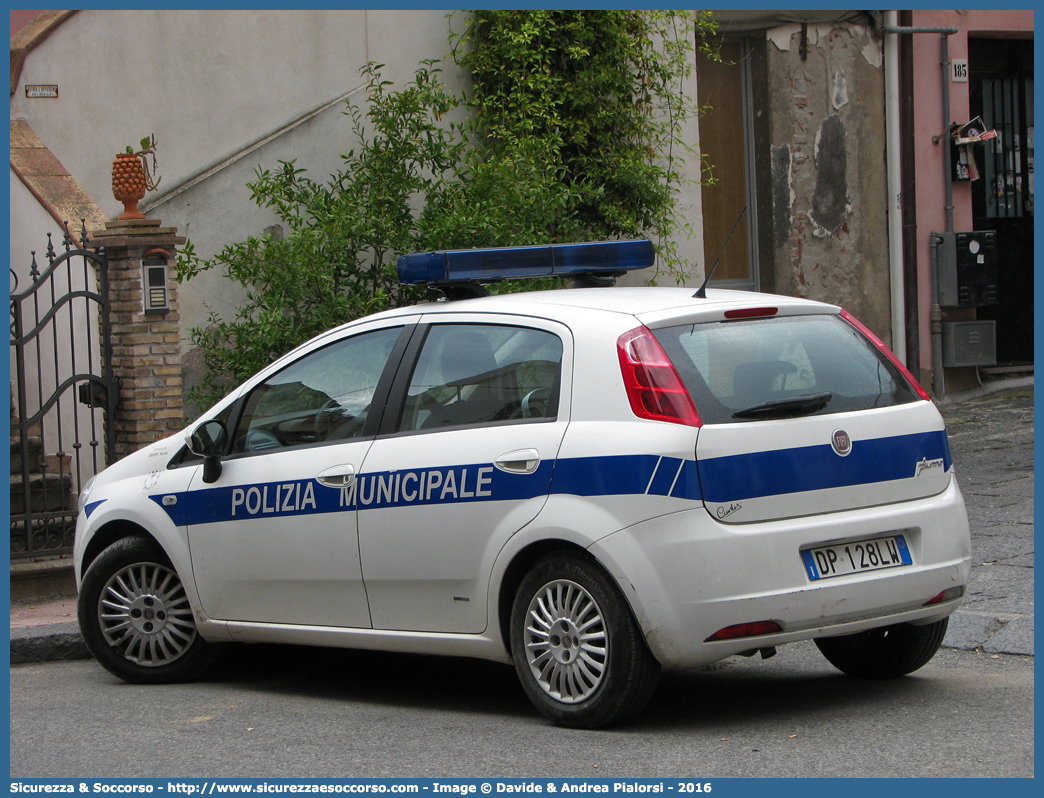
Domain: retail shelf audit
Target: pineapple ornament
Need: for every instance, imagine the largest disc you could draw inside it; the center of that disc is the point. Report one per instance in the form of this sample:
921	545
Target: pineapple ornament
132	177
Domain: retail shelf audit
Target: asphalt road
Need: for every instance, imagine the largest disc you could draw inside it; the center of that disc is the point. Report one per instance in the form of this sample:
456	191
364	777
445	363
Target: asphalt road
295	712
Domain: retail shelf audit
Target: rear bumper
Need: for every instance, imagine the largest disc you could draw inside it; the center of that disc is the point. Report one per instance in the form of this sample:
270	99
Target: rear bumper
687	576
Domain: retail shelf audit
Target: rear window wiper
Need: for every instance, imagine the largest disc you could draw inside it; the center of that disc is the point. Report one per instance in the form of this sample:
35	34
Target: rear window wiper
799	405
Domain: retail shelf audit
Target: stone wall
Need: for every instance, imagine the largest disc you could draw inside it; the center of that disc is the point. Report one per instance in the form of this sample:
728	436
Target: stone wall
821	127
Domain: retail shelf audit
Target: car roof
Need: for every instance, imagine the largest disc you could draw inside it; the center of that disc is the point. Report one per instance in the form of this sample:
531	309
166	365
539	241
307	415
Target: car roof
655	303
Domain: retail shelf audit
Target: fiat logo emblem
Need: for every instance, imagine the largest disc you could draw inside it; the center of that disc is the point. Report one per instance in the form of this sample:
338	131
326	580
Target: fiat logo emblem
841	442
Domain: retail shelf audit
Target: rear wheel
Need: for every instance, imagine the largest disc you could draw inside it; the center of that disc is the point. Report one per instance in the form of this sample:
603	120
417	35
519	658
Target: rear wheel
578	651
135	616
884	653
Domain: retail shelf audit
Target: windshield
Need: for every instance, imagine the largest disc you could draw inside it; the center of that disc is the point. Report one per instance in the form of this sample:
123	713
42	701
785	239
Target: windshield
757	369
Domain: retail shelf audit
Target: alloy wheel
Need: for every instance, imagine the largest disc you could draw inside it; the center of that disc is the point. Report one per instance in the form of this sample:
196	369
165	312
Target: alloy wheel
567	643
144	613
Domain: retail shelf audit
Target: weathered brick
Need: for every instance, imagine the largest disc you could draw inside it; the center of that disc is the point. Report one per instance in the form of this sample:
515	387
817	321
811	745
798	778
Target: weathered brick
148	382
153	404
129	339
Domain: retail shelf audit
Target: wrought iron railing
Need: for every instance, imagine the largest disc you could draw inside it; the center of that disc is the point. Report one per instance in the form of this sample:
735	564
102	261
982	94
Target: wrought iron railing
63	393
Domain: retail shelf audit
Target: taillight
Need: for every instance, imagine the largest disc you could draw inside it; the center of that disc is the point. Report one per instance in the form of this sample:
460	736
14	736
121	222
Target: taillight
888	352
947	595
745	630
750	313
653	386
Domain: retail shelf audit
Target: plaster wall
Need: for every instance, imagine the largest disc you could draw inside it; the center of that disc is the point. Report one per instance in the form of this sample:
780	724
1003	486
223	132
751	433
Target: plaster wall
30	224
928	122
690	204
224	95
826	134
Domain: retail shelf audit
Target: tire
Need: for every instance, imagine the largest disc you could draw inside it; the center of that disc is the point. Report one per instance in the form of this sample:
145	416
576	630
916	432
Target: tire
884	653
578	651
135	617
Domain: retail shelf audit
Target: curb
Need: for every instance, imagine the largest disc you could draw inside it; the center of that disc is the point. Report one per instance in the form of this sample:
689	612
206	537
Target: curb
48	643
994	386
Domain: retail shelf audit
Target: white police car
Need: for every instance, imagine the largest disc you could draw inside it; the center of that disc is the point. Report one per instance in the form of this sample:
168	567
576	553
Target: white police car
594	483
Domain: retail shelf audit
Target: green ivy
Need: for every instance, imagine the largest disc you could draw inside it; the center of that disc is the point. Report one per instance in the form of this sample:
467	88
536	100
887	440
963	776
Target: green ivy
599	95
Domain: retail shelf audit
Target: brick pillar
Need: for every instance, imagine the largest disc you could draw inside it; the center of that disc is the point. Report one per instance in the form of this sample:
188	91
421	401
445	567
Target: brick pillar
145	330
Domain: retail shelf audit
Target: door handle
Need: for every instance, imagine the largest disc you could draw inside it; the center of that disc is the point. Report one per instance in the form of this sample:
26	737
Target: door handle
339	476
523	461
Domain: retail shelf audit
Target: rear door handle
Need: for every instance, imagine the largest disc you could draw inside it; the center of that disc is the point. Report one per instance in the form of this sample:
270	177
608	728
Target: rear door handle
339	476
523	461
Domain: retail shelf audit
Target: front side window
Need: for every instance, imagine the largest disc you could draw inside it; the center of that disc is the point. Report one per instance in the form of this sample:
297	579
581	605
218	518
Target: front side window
470	374
324	396
781	367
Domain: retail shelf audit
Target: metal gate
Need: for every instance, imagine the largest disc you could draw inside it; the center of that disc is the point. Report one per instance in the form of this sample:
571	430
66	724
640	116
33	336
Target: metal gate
63	394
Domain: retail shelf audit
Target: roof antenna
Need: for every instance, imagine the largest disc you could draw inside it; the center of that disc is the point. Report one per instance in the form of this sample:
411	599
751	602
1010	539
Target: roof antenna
701	292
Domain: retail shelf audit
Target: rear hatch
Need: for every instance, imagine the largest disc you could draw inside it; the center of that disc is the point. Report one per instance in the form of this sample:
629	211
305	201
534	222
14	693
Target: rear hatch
803	415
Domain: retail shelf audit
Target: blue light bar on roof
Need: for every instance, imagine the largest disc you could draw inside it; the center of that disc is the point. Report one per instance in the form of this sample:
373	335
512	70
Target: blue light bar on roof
608	258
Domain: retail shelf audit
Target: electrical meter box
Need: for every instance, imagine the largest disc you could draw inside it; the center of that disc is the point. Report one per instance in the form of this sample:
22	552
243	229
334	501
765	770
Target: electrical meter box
969	343
967	269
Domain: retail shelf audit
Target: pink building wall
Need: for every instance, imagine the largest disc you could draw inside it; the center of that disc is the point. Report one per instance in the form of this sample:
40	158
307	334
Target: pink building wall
19	19
929	122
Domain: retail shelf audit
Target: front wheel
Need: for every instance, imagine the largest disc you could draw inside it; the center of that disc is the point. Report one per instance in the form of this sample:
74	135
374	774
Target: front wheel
884	653
577	649
135	617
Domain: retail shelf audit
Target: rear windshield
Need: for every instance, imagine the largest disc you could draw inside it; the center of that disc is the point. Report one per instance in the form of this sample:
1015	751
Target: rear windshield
758	369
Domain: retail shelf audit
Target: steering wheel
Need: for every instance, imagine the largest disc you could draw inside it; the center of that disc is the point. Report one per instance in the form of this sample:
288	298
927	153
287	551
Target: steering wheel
328	415
436	411
534	404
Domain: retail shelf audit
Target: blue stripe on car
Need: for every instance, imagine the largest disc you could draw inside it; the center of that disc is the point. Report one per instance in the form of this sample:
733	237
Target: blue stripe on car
722	479
808	468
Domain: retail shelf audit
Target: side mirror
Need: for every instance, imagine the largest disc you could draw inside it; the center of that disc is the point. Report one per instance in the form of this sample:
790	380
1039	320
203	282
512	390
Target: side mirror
209	441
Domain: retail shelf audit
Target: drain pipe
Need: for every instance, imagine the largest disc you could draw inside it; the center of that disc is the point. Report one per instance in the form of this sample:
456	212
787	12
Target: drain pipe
938	378
895	197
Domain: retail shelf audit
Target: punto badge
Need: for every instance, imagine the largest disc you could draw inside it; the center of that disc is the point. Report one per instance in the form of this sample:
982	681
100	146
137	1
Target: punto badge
841	442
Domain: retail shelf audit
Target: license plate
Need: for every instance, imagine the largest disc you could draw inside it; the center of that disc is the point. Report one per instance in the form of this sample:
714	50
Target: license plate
857	557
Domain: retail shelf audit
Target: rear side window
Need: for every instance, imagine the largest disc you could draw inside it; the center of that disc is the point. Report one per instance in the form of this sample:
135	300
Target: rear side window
782	367
476	374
